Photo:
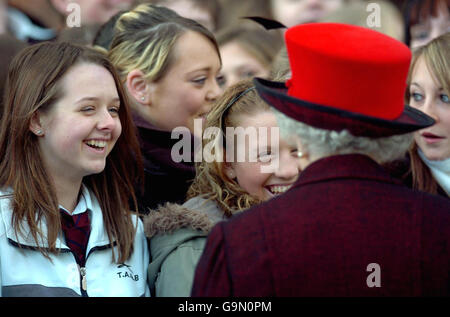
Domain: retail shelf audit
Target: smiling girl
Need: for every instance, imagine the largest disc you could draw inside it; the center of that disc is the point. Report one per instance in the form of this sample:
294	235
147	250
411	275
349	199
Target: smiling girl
169	65
220	190
69	159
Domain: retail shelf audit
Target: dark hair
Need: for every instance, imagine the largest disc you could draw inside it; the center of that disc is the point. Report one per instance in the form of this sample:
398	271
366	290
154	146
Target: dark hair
105	33
261	44
34	84
9	47
416	11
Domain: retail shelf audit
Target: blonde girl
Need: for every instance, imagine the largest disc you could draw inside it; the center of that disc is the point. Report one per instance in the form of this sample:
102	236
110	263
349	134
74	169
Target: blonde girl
221	189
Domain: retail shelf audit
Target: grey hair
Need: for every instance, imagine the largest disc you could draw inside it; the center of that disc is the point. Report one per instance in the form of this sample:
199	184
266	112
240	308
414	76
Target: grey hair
320	143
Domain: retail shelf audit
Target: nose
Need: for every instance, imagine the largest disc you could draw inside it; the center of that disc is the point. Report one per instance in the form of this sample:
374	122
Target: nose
430	109
288	167
106	121
214	91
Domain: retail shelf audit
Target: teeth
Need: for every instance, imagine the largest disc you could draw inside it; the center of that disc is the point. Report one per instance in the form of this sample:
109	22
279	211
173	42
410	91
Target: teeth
279	189
99	144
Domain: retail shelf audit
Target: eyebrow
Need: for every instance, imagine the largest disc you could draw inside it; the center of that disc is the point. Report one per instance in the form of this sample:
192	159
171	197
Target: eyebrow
206	68
416	84
95	99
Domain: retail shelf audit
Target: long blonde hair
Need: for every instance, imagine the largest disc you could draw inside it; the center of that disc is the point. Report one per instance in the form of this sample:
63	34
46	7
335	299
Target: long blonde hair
211	182
436	55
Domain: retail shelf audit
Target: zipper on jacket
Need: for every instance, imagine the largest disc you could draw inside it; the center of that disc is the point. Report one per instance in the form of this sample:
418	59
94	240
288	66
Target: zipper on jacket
83	280
82	269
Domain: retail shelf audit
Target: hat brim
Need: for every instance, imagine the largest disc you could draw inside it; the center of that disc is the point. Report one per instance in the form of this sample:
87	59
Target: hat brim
329	118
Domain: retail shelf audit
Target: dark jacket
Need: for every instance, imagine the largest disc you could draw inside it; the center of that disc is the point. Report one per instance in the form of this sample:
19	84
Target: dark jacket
321	238
165	180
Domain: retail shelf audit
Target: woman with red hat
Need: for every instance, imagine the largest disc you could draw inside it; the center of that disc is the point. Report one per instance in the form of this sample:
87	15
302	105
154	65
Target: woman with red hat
346	227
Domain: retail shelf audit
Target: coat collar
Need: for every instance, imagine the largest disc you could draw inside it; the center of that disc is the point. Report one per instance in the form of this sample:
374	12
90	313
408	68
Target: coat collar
197	214
348	166
98	236
156	147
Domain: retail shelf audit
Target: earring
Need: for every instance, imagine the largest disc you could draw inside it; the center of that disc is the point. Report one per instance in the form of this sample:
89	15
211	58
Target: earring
231	175
142	98
39	132
300	154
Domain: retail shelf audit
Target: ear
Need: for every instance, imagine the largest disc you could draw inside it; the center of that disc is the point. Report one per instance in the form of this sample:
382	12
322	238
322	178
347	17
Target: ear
61	6
303	155
35	125
138	87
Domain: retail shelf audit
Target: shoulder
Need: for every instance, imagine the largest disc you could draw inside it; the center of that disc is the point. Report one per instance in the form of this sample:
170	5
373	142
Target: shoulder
248	228
6	193
435	204
207	206
400	169
137	223
140	242
5	209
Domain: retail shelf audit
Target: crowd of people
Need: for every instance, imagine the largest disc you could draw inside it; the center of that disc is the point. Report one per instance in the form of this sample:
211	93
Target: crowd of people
328	124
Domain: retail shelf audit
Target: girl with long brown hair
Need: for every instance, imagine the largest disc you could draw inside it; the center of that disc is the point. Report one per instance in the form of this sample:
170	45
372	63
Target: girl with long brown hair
69	160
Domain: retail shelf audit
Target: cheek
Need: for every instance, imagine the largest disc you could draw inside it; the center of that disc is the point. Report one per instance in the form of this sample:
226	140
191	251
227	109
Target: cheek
189	106
117	130
66	136
417	137
250	178
193	101
116	133
446	121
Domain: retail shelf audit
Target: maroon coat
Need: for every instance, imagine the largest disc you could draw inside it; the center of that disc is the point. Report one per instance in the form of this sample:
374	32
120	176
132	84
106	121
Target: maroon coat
343	213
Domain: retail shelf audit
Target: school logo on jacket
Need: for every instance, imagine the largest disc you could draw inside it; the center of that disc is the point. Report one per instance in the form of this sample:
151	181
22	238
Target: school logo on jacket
127	272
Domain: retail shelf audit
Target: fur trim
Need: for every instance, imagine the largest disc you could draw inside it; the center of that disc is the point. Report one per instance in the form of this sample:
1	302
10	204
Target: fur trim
169	217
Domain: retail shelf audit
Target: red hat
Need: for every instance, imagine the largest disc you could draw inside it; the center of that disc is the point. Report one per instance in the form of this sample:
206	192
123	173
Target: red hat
345	77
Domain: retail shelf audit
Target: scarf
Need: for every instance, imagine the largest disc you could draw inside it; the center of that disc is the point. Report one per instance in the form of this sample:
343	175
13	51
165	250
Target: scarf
440	171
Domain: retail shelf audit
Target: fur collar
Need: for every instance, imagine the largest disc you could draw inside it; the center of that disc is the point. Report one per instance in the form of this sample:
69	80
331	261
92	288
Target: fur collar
170	217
